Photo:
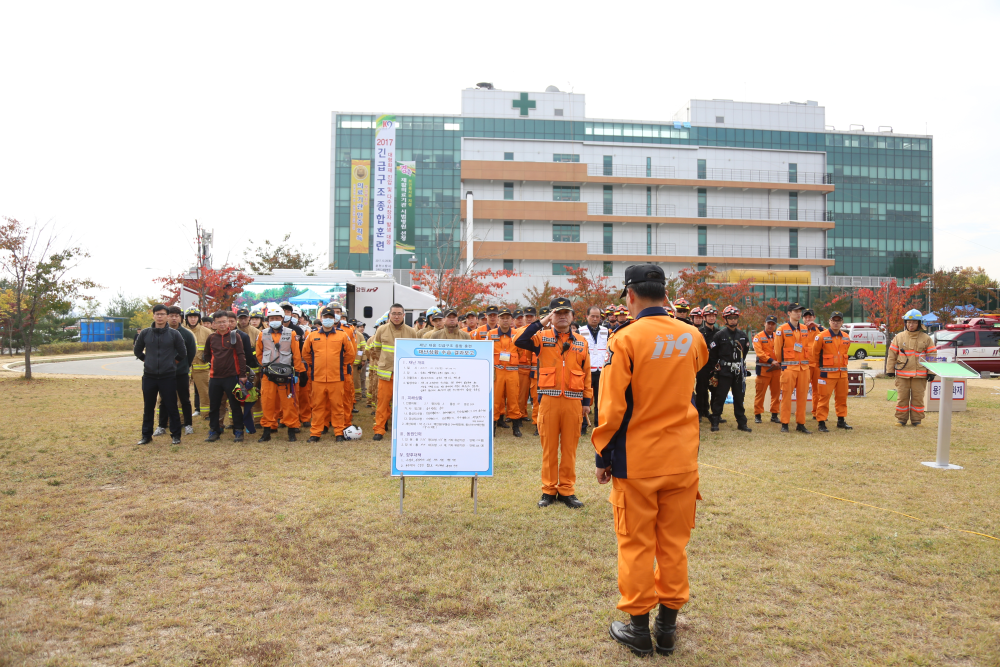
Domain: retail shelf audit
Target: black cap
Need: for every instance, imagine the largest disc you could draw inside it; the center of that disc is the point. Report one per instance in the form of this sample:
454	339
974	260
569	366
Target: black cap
449	310
642	273
836	315
505	311
518	313
327	311
544	311
471	313
771	318
421	319
561	303
809	311
793	306
437	316
530	310
242	312
490	310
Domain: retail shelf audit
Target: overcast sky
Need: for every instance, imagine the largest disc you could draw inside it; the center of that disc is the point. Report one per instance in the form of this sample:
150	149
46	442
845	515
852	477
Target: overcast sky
123	122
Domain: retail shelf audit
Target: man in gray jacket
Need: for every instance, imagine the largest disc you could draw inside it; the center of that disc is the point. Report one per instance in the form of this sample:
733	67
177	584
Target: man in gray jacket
174	315
161	349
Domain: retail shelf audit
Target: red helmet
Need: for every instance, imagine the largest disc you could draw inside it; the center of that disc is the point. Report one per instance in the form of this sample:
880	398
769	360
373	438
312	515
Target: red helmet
709	310
682	304
696	311
730	310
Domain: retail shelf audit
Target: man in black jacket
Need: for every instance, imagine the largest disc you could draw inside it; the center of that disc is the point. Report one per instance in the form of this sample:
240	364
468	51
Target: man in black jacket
701	387
727	355
161	350
174	315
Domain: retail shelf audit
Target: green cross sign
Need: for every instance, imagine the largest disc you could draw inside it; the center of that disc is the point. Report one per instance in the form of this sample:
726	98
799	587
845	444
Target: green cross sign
524	104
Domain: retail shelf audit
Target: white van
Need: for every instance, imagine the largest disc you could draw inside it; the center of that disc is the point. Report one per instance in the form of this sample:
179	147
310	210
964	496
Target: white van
866	340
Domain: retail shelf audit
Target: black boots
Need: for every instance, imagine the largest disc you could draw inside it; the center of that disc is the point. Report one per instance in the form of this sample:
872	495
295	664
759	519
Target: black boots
822	428
715	423
744	428
145	440
665	630
339	438
784	428
757	419
212	436
377	437
237	436
842	423
774	418
265	435
291	434
801	428
546	500
516	428
313	438
571	502
634	634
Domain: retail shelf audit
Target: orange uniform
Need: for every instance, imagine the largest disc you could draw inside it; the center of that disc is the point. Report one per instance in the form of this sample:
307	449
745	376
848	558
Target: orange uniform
564	381
829	353
814	330
279	401
506	360
348	396
524	367
648	435
790	347
325	353
767	377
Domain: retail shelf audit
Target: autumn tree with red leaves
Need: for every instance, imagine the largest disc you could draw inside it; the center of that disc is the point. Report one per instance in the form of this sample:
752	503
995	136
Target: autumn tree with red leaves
540	296
465	291
887	305
217	289
587	289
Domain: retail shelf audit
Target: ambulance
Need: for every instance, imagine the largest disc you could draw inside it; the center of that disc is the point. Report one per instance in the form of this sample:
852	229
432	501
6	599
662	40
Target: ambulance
974	340
866	340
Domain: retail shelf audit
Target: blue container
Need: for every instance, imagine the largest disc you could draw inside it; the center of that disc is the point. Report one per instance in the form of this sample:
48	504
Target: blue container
100	331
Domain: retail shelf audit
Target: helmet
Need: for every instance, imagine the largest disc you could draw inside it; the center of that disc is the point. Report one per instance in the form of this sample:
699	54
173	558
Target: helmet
682	304
192	311
239	394
913	314
709	310
696	311
730	310
256	313
352	433
432	311
296	310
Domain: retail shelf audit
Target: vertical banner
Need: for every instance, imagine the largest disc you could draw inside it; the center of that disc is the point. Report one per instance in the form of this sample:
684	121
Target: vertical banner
384	189
360	194
406	174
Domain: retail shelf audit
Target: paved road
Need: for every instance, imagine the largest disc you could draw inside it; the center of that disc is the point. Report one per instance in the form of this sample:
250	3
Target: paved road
124	366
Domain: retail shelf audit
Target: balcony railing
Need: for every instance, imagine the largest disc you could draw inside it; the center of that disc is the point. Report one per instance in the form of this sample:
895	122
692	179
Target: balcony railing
744	175
709	250
753	213
599	208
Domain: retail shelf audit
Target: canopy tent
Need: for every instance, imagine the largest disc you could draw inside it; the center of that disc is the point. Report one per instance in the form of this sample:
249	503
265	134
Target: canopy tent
930	317
307	298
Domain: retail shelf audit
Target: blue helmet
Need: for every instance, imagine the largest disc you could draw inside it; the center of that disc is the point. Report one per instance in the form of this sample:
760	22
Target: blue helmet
913	314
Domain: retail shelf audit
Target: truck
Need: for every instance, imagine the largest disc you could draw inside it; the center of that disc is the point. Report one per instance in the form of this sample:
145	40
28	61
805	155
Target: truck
867	340
974	340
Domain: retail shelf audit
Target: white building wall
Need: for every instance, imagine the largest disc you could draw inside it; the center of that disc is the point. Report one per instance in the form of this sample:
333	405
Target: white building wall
790	116
499	104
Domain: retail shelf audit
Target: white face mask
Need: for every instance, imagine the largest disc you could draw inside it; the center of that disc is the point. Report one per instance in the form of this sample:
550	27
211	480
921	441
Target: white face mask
328	322
287	318
273	324
294	320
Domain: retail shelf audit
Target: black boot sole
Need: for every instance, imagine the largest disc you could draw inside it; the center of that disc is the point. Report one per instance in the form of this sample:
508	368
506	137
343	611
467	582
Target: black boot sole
663	651
638	652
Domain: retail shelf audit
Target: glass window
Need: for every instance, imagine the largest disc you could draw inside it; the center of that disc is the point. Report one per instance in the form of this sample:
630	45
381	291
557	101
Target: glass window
563	268
508	191
508	265
608	167
702	170
720	119
702	203
508	230
793	267
793	205
649	239
986	338
793	243
609	268
508	156
609	237
793	172
609	199
565	193
649	167
703	241
565	157
565	233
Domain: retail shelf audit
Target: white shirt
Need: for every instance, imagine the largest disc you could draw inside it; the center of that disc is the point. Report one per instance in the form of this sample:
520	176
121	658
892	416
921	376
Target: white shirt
597	346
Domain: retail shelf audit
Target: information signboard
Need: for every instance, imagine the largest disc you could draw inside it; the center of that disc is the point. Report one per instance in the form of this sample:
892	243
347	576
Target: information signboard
442	414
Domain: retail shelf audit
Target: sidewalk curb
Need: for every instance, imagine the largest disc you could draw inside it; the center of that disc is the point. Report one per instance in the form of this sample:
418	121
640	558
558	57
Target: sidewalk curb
18	366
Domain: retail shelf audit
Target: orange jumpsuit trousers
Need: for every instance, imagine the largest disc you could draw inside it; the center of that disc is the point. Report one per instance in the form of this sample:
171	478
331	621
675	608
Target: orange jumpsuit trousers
653	520
505	388
523	389
384	409
327	407
305	402
767	380
534	401
827	386
814	380
794	378
559	423
277	404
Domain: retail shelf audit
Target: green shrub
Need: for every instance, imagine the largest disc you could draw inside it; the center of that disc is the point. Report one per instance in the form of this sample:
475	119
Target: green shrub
72	347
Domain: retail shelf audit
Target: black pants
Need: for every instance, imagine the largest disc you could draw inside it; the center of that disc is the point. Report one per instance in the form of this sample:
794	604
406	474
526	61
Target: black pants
217	388
701	392
184	396
738	387
166	389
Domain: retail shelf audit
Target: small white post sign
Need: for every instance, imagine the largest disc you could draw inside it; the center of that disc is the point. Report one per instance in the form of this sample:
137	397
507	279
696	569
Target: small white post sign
442	410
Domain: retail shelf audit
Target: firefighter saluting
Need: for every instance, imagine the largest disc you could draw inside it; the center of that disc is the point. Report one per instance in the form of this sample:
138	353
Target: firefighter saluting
903	363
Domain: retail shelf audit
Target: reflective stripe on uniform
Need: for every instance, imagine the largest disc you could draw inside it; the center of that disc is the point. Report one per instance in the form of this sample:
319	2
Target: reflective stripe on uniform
832	369
384	374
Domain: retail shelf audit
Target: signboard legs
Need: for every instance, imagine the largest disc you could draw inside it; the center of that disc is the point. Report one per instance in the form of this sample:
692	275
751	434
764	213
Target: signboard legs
944	429
474	493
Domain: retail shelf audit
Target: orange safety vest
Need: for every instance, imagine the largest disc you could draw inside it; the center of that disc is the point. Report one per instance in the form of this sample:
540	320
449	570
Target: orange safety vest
503	345
563	373
763	347
791	346
830	353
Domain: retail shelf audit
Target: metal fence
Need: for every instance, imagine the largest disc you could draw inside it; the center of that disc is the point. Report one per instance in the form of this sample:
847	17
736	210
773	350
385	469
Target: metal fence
629	170
746	175
708	250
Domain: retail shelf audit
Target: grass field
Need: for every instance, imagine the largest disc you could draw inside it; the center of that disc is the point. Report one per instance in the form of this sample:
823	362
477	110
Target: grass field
294	554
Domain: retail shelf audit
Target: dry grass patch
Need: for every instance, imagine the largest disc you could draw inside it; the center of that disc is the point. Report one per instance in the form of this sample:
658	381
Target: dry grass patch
294	554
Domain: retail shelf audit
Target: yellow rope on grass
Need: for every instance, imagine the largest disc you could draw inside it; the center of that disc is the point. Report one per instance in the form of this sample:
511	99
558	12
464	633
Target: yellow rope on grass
848	500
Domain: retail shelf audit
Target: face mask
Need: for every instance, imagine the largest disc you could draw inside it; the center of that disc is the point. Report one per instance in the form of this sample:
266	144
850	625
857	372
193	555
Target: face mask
273	324
328	322
294	320
287	318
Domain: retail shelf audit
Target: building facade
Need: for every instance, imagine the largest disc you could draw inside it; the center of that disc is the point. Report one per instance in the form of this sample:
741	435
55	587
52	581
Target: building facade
738	186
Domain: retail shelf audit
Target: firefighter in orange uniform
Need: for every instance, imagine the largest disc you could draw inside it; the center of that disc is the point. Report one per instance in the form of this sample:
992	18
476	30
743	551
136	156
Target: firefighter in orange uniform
564	381
829	353
326	352
525	384
278	345
492	322
647	446
790	346
506	367
809	320
471	323
768	371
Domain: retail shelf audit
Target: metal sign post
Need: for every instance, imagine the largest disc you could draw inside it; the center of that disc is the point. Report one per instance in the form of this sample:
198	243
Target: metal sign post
948	372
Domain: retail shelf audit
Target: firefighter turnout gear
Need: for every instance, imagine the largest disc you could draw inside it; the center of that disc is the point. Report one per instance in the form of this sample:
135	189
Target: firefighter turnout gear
903	359
383	344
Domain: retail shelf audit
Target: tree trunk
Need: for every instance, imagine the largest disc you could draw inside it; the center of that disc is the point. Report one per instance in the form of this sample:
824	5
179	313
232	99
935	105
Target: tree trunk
27	353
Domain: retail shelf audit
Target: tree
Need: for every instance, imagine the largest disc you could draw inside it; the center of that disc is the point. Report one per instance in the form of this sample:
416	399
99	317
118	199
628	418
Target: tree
886	306
590	290
217	289
461	290
38	268
267	257
954	292
541	297
698	287
130	308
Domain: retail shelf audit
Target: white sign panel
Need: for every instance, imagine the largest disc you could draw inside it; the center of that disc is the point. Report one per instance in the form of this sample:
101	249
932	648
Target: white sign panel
442	408
957	390
383	185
